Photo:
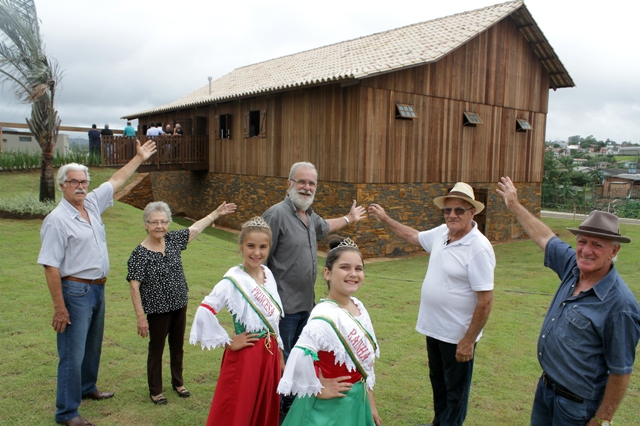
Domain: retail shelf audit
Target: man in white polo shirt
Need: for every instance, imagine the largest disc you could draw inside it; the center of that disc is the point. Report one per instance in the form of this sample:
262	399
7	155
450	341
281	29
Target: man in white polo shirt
456	298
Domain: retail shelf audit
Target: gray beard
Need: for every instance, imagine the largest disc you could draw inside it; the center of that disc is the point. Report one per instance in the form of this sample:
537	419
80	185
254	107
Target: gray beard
298	201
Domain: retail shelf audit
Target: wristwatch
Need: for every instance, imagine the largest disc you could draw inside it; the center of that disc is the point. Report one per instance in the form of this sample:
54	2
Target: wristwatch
603	422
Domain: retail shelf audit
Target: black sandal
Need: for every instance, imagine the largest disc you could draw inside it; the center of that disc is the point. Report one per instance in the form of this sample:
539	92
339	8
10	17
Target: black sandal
184	393
160	401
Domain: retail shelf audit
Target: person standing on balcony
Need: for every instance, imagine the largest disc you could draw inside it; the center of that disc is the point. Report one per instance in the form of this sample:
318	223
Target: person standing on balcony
129	131
106	131
178	130
456	297
587	344
76	264
94	141
154	130
293	257
108	144
168	130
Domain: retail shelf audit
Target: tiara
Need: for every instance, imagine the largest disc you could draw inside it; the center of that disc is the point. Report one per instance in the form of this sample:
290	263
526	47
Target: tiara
256	222
347	242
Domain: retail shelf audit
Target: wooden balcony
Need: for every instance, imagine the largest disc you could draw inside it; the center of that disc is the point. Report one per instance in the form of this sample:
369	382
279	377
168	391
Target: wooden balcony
186	152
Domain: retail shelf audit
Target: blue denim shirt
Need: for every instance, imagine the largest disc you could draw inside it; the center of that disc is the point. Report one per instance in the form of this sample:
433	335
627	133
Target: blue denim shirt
588	336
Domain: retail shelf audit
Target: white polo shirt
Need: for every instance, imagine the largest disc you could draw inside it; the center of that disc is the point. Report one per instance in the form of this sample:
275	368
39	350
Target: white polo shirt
455	273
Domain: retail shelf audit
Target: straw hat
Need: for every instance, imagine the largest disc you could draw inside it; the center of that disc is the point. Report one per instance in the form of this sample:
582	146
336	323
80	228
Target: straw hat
463	191
602	225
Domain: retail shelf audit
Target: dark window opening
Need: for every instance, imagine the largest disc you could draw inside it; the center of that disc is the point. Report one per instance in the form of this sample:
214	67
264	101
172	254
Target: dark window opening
522	125
254	123
470	119
225	126
405	111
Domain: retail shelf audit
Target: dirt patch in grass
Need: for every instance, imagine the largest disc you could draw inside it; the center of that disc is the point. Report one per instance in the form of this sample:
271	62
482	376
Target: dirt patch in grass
20	216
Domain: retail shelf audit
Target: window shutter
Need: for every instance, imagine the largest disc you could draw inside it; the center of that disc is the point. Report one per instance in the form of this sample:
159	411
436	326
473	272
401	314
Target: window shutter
245	128
263	123
216	127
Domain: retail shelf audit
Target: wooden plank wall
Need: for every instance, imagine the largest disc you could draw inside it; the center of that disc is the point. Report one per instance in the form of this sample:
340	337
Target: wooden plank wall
351	133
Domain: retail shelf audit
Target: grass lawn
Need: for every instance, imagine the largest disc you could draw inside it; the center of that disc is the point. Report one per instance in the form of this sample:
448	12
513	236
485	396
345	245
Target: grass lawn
506	369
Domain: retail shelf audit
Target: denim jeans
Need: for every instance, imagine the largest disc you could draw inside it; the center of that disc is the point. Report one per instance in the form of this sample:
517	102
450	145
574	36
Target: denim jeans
290	327
450	383
79	346
550	409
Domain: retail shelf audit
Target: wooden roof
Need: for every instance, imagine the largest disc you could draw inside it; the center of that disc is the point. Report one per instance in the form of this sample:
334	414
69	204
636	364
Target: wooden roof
379	53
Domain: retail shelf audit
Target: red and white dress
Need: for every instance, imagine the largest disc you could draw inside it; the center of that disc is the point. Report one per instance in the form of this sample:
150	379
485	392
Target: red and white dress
245	394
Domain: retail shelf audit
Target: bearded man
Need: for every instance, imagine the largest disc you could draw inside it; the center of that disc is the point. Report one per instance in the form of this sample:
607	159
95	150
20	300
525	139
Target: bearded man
293	260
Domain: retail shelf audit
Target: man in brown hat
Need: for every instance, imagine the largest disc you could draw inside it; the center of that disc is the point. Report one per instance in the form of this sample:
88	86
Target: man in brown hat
588	339
456	298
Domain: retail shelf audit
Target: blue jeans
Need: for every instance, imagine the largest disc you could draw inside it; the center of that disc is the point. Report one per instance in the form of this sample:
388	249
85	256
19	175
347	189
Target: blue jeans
450	383
79	346
550	409
290	327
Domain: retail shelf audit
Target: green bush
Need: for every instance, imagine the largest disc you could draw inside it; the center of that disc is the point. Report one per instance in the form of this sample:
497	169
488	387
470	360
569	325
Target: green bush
26	203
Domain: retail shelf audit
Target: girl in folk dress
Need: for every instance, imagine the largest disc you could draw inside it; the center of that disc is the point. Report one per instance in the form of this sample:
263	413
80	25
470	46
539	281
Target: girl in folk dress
252	362
331	366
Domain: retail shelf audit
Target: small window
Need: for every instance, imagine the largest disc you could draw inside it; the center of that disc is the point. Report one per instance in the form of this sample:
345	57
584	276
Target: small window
24	138
471	119
224	126
405	111
255	123
522	125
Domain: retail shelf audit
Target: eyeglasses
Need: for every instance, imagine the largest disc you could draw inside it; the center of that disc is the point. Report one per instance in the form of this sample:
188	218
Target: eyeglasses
303	182
76	183
159	223
459	211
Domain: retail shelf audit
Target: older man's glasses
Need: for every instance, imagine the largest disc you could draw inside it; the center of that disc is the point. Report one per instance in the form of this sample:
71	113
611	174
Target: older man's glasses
159	222
76	183
459	211
303	182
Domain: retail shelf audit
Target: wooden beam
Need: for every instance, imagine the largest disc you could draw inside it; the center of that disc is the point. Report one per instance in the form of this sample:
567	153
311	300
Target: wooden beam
63	128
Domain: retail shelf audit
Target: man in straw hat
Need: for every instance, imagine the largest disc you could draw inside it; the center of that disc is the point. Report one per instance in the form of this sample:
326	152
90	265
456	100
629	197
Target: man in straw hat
456	298
588	339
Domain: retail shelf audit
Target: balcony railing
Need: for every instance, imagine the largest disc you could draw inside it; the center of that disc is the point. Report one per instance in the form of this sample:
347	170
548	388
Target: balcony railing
186	152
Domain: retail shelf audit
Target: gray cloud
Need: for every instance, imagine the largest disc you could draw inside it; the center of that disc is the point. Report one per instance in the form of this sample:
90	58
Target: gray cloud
121	56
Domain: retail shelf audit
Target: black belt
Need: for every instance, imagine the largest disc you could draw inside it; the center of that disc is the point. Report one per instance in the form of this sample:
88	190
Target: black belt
560	390
86	281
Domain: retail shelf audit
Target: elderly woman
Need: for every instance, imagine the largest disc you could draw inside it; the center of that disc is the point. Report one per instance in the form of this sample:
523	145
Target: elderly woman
159	290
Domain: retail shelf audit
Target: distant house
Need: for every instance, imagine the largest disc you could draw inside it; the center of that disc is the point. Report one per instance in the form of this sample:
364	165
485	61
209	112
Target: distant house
628	150
16	141
624	185
396	118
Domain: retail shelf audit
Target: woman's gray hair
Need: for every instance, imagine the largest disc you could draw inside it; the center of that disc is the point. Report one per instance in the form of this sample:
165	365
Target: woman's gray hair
62	172
156	207
296	166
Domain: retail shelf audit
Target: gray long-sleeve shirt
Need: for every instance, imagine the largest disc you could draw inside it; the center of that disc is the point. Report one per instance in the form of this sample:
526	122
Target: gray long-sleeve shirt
293	257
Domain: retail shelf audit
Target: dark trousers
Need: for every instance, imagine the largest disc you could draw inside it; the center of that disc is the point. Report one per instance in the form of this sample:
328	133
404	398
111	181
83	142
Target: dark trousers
450	382
170	324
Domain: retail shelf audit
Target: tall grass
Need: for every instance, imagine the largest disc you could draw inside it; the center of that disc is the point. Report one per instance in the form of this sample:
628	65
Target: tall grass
506	368
18	160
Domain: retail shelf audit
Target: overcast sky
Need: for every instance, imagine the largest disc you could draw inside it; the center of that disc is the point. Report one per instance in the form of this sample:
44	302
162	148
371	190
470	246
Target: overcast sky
123	56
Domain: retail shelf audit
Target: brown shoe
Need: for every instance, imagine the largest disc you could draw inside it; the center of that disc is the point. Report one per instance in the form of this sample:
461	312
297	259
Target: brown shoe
97	395
77	421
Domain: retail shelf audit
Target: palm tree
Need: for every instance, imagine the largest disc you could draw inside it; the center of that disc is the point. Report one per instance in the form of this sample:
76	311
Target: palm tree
24	64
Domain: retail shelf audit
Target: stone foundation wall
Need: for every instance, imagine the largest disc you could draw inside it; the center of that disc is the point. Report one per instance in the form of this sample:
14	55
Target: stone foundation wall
195	194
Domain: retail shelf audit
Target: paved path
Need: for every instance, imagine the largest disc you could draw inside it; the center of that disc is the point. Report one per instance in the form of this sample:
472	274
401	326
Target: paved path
562	215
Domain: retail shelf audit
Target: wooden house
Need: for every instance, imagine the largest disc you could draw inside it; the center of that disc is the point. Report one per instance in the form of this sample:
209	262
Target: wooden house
396	118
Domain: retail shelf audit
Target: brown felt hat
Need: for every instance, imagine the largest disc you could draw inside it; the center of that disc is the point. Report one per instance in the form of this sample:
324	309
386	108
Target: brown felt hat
463	191
602	225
